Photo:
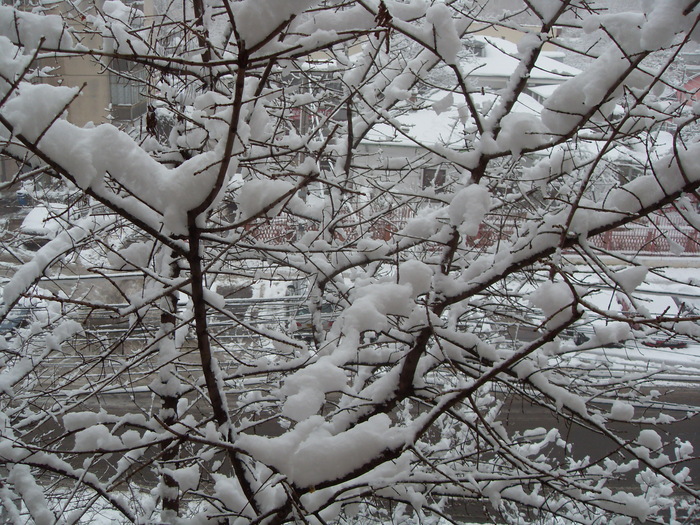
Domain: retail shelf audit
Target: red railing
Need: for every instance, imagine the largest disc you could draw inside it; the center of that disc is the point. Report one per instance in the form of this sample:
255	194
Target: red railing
666	233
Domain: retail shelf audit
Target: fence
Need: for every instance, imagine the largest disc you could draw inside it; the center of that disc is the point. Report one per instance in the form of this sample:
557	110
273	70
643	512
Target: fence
664	233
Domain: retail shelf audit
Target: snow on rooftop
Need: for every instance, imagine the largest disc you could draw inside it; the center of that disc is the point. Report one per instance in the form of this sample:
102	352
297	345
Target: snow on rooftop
544	90
501	58
446	123
443	122
493	64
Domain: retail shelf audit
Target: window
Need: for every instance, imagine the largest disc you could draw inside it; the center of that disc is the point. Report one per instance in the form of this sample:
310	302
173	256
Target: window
434	178
475	48
326	166
21	4
126	90
628	171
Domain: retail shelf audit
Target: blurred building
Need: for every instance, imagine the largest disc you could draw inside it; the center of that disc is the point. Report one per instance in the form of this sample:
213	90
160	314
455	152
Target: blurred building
111	91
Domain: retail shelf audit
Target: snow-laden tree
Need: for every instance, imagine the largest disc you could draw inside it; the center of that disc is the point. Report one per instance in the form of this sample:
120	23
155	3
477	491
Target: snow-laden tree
448	284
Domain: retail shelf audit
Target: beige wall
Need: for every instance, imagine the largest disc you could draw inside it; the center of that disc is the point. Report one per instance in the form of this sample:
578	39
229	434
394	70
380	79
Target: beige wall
93	103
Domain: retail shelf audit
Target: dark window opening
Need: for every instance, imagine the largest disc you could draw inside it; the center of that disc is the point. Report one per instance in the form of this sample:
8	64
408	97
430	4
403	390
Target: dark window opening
434	178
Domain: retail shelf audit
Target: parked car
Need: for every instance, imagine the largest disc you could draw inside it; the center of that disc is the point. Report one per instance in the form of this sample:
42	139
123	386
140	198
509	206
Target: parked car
41	225
666	342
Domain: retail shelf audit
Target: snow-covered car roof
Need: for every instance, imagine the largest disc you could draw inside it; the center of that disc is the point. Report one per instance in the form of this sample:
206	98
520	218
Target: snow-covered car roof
41	221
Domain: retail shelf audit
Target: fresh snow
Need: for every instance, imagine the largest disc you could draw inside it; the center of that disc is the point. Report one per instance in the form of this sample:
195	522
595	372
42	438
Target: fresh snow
401	390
